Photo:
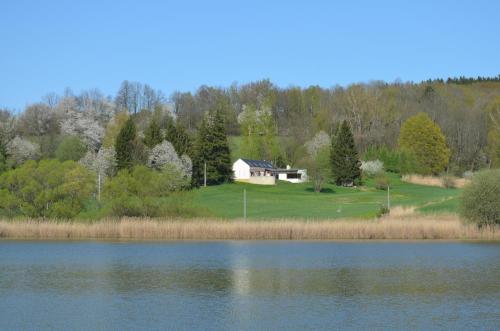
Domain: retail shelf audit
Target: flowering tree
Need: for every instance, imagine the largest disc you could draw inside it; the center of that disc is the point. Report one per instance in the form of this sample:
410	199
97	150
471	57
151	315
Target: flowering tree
85	126
164	154
21	150
102	164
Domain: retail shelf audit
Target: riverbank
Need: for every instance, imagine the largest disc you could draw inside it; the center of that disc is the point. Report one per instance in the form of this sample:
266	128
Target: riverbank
396	227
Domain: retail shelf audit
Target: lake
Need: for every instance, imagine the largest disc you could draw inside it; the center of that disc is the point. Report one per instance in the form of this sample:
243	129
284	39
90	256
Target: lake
257	285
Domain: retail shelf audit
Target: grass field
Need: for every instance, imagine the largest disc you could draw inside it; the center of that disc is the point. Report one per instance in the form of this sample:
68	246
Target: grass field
287	200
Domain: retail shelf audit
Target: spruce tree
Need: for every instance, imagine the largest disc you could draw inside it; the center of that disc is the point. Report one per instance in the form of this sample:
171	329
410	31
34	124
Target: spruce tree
344	157
125	144
152	135
212	148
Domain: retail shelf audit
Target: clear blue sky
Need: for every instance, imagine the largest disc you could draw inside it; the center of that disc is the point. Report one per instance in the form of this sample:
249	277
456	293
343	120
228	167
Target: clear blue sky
180	45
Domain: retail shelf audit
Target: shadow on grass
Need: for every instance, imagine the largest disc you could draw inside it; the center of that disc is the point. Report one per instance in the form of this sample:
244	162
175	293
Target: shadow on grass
323	190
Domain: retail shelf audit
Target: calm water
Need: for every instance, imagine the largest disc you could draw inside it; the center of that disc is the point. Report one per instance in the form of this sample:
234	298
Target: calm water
249	285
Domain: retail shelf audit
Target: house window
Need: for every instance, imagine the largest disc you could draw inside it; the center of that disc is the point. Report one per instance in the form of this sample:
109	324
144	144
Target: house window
293	176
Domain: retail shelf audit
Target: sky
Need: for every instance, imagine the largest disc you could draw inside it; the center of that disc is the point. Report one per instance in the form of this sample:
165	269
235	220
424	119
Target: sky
46	46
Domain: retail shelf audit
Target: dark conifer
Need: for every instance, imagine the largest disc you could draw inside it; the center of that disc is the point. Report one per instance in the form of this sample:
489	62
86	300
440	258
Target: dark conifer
344	157
125	145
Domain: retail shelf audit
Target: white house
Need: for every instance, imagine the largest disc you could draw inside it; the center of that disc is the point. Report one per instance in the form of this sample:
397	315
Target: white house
264	173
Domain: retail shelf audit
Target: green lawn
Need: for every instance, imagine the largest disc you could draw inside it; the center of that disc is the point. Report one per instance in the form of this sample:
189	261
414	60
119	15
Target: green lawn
287	200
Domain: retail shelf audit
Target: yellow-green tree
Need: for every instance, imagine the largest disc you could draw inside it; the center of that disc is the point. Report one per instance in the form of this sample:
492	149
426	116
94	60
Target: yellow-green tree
423	138
113	128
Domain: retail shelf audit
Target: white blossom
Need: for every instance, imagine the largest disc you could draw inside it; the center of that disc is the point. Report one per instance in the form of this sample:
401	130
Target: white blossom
21	150
371	168
103	162
85	126
319	141
164	154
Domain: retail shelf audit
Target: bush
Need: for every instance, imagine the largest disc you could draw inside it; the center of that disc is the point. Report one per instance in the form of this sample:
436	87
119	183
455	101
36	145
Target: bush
393	160
371	168
383	210
139	192
480	202
381	181
46	189
448	181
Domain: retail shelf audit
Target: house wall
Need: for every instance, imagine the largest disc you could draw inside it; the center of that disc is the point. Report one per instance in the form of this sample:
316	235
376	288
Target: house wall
259	180
241	170
303	177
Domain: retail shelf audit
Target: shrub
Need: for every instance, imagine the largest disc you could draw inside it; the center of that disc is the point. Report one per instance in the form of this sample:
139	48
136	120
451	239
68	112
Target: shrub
381	181
46	189
383	210
139	192
480	202
396	161
371	168
448	181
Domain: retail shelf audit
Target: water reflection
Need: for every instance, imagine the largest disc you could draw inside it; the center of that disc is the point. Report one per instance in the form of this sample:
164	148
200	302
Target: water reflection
249	285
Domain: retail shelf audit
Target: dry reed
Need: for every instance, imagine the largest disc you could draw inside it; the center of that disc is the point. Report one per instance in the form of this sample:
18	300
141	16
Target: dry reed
401	225
433	181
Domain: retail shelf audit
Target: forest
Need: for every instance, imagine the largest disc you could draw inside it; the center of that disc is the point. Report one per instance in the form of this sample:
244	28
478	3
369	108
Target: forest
95	137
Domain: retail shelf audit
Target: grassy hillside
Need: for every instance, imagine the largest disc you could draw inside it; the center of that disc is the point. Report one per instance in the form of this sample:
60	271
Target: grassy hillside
287	200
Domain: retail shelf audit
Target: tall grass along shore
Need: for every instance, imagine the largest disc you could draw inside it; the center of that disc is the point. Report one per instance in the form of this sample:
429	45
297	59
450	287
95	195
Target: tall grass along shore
396	227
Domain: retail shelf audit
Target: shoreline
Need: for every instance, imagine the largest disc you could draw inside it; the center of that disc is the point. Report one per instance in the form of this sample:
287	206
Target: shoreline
396	228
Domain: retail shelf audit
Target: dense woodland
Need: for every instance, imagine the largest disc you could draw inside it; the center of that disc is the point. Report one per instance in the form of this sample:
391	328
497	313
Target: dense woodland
142	127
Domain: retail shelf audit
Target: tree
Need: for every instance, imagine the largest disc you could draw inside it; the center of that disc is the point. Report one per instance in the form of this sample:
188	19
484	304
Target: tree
71	148
152	135
85	126
178	136
318	164
480	201
423	138
138	192
212	149
46	189
113	128
125	145
21	150
164	154
344	157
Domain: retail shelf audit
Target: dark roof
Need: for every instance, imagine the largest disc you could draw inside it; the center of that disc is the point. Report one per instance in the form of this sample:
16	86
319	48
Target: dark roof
258	164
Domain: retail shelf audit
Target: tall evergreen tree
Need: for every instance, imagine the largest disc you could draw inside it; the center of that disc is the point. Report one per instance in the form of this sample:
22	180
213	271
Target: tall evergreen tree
344	157
212	148
125	145
178	136
152	135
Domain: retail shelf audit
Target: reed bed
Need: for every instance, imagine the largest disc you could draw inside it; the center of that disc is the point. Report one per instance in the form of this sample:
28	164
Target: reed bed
433	180
447	227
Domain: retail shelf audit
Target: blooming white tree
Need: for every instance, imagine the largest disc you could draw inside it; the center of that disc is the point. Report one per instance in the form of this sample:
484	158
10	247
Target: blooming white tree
319	141
164	154
371	168
21	150
85	126
102	163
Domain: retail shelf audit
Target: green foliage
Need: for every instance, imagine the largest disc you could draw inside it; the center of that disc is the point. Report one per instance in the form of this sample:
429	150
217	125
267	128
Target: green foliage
71	148
113	128
397	161
212	148
126	145
344	157
177	135
46	189
152	135
138	192
423	138
259	134
480	201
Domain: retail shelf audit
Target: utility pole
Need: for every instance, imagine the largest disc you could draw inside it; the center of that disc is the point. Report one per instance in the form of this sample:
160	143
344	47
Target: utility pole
245	204
205	175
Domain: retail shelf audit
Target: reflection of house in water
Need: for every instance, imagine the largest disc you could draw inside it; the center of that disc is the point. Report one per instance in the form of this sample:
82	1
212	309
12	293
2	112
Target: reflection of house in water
264	173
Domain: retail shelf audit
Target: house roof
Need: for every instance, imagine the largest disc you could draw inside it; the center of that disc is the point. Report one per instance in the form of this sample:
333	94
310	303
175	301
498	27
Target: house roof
258	164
